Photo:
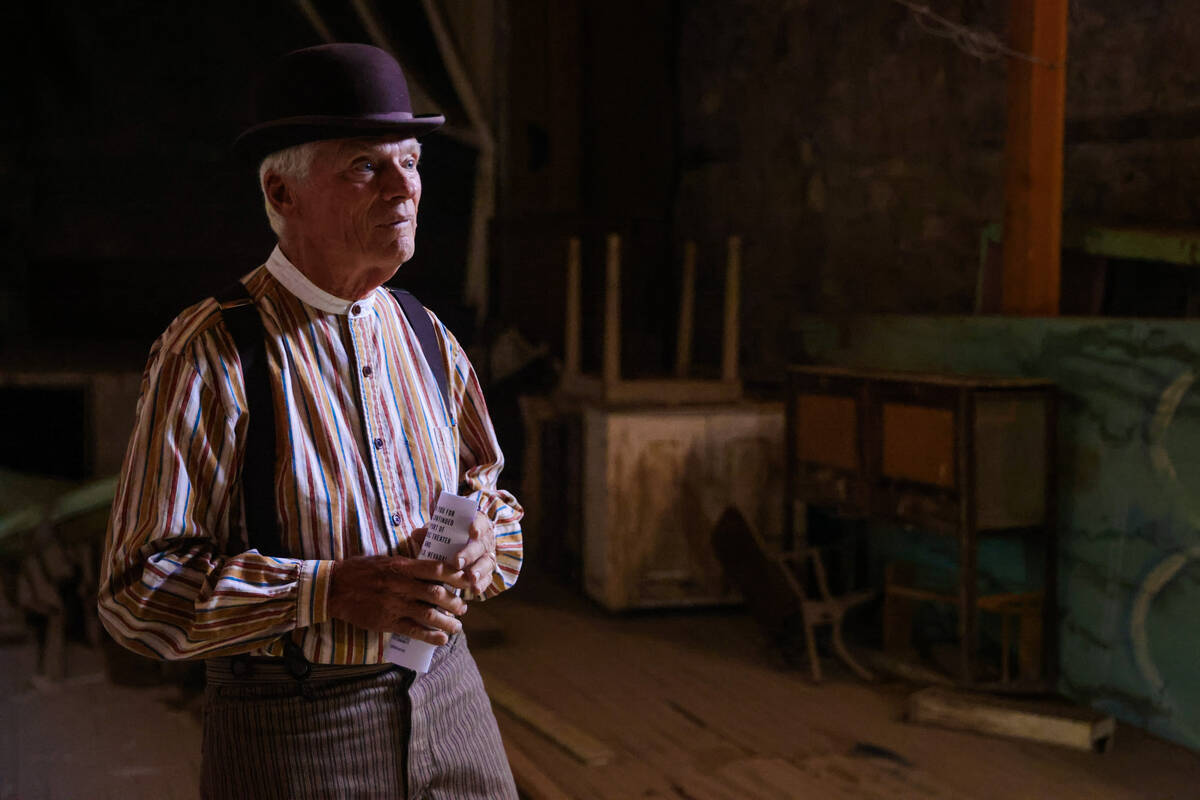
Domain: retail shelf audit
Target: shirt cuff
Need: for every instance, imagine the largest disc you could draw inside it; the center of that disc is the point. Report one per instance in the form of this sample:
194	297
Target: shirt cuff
312	602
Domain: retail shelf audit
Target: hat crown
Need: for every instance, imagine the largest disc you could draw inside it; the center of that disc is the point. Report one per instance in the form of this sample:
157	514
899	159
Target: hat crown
338	79
330	91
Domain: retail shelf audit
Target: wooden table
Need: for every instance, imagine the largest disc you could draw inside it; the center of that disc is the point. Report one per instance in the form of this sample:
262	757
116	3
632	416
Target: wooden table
959	455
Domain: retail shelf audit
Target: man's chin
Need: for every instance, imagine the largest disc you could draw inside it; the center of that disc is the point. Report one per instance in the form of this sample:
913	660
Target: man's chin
395	262
397	255
402	249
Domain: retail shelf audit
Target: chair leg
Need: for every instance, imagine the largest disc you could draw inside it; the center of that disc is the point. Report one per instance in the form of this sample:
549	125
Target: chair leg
897	611
814	658
1005	644
839	647
1029	651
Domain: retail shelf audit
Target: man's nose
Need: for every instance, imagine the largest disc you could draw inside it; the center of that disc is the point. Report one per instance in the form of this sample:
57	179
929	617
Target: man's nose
400	182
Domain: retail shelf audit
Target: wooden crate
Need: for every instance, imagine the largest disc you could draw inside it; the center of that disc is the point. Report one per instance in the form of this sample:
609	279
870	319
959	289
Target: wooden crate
655	482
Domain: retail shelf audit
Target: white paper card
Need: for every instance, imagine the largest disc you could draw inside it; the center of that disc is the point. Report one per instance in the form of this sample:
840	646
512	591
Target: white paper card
448	533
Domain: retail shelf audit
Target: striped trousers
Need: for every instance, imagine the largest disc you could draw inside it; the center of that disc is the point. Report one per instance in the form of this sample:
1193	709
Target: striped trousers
353	732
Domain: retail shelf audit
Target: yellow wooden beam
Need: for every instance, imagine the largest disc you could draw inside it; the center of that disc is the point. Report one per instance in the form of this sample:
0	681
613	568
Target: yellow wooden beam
1033	156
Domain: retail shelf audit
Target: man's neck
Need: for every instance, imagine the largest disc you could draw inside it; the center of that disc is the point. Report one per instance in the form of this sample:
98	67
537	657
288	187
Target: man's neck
341	279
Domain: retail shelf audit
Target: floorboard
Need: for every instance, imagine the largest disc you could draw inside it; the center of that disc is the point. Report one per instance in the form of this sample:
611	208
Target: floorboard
696	706
693	705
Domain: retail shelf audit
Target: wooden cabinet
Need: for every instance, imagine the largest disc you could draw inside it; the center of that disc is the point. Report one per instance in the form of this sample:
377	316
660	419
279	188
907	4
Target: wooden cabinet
655	481
959	455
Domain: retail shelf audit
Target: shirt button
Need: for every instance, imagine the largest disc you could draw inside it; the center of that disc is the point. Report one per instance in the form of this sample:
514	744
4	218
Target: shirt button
355	309
395	519
367	372
378	443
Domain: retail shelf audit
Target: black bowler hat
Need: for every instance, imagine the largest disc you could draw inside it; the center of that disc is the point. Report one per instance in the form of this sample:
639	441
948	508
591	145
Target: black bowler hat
331	91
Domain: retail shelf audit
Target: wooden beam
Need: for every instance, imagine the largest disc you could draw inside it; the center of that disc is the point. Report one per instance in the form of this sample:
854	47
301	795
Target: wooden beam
657	391
612	310
1050	723
458	76
733	305
315	19
475	287
585	747
1033	155
687	303
532	782
574	322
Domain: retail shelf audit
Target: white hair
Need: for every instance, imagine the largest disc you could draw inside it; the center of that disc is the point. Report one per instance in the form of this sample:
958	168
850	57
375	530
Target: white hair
291	164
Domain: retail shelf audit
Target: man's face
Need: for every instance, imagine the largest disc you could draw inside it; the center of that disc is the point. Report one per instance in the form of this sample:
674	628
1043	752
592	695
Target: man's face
358	204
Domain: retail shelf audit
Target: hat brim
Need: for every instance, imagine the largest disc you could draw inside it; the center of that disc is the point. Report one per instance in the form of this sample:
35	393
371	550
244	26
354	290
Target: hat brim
256	143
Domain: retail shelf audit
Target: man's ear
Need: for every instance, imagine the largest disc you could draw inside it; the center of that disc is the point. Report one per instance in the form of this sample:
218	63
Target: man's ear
279	193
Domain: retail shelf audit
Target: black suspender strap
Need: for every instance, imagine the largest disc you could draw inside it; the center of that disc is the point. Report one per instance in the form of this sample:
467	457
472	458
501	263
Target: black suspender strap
245	325
258	461
422	326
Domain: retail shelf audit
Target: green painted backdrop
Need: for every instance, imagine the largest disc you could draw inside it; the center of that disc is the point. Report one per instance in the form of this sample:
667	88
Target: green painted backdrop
1129	493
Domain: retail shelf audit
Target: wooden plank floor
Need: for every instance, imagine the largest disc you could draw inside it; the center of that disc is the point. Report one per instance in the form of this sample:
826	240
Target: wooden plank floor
695	707
84	738
690	704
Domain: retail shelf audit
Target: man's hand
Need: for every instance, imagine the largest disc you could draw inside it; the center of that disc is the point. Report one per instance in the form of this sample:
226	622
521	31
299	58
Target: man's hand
399	595
478	559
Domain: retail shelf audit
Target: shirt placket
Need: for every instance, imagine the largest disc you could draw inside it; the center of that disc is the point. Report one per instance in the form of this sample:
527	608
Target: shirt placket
373	404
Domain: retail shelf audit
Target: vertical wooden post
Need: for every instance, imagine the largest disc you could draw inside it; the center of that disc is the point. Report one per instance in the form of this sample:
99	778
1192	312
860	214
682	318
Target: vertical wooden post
733	302
687	303
1033	155
573	323
612	311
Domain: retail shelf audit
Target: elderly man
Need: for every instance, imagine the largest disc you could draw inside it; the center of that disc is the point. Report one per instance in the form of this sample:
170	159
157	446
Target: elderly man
278	483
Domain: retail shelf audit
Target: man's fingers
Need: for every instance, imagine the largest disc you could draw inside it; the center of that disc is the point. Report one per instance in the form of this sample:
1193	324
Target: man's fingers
418	539
412	630
481	541
436	594
430	570
480	573
423	617
435	619
470	554
397	594
437	572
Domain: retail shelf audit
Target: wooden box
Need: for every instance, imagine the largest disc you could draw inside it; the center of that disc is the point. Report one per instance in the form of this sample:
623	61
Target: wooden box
655	482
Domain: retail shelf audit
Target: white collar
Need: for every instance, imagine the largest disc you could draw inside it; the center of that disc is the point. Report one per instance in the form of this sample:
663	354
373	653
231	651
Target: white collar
298	284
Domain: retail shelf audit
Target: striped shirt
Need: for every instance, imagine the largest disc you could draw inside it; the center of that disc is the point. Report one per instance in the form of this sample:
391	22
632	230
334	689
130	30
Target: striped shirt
364	445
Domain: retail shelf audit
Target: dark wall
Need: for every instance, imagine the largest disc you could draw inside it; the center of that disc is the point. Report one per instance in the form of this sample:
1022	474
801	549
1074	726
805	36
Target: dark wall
129	205
589	147
121	199
861	156
857	154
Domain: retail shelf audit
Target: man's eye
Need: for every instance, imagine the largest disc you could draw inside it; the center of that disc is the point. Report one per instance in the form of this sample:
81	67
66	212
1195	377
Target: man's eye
410	163
365	166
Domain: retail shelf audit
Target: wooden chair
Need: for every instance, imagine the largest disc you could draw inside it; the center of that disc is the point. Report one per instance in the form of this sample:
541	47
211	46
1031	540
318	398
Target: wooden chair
1022	610
774	586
